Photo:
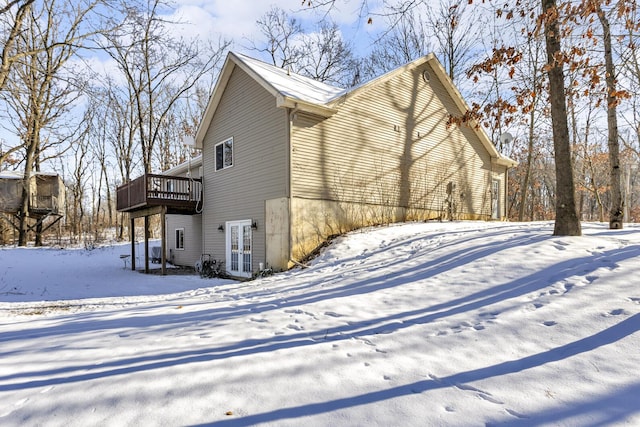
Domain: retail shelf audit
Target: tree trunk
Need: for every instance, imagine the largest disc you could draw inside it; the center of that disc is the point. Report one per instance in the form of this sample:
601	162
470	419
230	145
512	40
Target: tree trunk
39	225
7	57
616	212
32	144
39	228
121	227
24	211
109	203
567	222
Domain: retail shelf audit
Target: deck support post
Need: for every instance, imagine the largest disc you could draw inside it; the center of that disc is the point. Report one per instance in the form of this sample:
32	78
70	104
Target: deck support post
146	243
132	233
163	249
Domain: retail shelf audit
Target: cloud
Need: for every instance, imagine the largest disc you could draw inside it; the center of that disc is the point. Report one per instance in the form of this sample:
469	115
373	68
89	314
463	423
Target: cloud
236	20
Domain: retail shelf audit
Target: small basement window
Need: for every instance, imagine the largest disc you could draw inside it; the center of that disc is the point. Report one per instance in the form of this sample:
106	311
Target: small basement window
179	238
224	154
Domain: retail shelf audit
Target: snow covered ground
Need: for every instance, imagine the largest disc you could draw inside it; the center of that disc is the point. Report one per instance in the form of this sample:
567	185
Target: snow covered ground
456	324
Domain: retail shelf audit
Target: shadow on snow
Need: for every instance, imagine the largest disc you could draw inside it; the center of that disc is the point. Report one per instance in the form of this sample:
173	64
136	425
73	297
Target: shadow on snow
384	324
607	336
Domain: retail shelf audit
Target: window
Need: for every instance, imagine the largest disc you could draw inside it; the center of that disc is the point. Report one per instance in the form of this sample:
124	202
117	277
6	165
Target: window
246	249
179	238
224	154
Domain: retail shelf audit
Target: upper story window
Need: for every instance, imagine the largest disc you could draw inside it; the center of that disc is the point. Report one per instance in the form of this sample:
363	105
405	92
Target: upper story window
224	154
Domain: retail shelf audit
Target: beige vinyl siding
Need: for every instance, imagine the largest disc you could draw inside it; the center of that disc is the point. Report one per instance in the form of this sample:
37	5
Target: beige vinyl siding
248	114
389	145
192	225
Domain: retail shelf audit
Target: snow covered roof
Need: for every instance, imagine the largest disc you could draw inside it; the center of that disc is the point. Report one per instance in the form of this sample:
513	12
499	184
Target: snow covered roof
11	175
290	85
20	174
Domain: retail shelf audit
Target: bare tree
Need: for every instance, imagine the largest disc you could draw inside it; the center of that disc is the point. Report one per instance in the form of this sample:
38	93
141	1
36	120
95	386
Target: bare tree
456	33
79	177
529	99
99	118
159	70
417	28
616	211
121	128
101	155
10	27
530	79
406	40
170	132
281	35
322	54
41	87
629	54
116	126
327	57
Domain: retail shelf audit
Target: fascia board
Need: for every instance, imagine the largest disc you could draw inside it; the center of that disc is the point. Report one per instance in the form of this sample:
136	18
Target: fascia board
296	104
214	100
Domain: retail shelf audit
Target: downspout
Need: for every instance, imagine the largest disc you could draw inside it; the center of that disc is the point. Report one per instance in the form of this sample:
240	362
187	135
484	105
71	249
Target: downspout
202	196
506	193
201	213
291	115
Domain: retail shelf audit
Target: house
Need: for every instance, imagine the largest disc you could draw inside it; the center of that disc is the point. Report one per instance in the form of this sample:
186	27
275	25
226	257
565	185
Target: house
287	161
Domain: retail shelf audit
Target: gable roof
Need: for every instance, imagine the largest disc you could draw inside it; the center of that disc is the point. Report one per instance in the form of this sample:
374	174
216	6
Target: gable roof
295	91
281	82
290	90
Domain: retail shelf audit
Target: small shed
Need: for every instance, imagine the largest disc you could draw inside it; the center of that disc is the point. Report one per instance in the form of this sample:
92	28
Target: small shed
47	193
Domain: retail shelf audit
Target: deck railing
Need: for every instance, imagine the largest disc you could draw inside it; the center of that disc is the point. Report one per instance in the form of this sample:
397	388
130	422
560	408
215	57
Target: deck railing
157	190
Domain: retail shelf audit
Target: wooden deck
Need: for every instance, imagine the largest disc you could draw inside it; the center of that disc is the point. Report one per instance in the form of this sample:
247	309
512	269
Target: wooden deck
177	194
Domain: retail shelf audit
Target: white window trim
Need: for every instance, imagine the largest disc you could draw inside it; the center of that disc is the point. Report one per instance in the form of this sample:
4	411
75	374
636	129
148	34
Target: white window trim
176	236
215	153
